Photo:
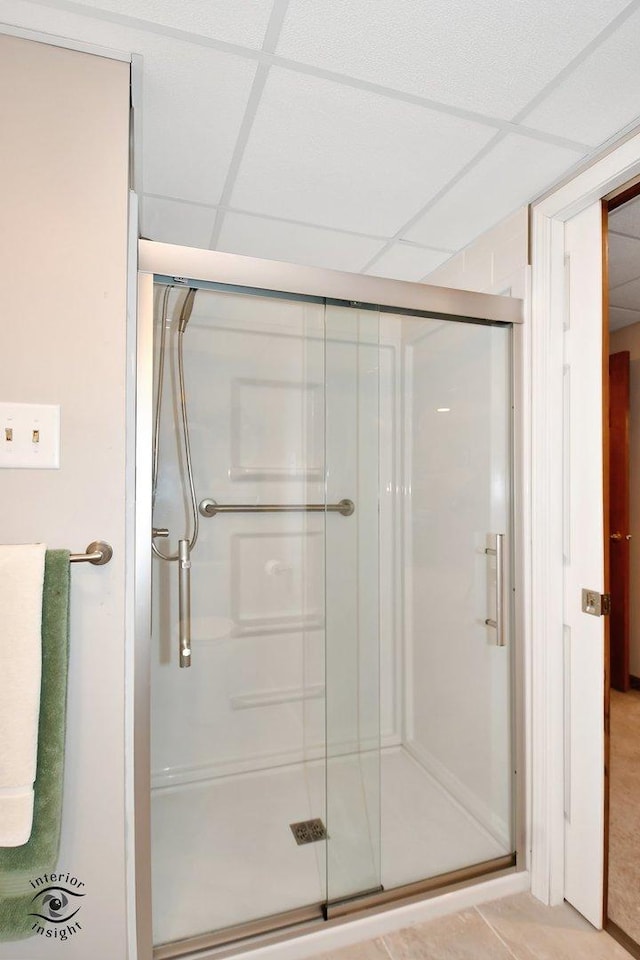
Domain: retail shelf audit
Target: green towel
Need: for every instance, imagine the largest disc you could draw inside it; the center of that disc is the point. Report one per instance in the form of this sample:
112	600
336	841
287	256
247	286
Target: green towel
20	865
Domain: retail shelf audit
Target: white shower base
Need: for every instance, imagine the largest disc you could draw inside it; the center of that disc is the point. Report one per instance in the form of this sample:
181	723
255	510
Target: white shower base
223	852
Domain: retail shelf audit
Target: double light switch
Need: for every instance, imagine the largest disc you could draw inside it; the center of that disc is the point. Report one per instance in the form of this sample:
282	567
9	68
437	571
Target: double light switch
29	436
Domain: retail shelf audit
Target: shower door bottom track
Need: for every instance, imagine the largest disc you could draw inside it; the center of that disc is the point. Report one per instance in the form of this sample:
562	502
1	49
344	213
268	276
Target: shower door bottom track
295	923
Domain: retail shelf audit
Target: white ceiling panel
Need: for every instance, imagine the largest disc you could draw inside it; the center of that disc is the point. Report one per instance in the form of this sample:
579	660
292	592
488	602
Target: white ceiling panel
600	96
626	219
194	102
339	157
235	22
510	175
493	56
628	295
624	259
622	318
296	243
170	221
403	261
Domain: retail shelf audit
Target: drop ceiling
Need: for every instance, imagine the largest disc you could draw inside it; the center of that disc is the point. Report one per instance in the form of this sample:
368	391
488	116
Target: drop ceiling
624	265
379	136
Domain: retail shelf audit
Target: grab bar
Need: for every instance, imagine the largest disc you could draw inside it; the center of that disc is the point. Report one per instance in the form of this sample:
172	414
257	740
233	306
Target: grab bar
498	623
209	508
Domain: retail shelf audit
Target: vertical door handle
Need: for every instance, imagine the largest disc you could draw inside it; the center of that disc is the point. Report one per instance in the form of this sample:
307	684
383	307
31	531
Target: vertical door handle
498	623
184	603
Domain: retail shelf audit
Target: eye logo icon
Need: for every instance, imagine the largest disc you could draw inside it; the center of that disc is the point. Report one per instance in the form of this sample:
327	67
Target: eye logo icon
56	904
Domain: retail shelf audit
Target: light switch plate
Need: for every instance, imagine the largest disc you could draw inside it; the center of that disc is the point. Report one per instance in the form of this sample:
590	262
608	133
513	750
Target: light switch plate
29	436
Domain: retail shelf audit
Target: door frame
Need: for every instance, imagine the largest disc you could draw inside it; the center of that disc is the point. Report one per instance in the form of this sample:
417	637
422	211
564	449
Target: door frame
176	262
606	176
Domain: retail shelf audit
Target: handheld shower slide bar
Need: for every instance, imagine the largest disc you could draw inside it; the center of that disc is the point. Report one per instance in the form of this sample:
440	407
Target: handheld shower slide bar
186	543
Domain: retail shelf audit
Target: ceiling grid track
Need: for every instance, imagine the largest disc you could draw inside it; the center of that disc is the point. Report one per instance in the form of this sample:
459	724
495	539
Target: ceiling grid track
269	43
540	96
229	208
488	147
269	58
310	212
577	60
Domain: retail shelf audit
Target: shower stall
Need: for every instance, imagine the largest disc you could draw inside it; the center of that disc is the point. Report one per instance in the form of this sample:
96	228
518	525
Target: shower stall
327	673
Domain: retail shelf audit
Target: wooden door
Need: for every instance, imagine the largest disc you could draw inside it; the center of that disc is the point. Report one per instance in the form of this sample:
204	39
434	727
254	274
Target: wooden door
619	535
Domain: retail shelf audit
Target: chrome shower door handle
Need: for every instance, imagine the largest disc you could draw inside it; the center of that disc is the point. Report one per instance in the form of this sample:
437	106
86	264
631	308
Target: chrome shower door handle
184	602
498	623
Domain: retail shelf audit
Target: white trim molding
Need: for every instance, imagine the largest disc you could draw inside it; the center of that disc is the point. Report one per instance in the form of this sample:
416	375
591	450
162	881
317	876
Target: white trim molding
54	40
548	217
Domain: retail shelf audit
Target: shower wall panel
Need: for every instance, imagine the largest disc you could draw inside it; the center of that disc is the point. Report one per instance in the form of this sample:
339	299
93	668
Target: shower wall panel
457	452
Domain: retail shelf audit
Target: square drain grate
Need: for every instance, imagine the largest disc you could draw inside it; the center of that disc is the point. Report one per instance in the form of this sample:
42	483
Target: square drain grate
308	831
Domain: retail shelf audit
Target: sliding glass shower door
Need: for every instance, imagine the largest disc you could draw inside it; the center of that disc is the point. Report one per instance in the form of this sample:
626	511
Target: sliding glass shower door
269	742
344	730
458	594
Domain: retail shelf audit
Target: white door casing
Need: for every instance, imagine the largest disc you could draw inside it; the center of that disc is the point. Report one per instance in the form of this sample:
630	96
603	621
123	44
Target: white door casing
567	853
583	549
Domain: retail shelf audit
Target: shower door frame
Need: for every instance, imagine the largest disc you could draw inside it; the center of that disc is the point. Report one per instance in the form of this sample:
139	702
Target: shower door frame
236	272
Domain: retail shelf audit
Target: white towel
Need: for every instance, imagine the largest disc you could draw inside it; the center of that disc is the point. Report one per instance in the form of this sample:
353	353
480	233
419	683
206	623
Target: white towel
21	580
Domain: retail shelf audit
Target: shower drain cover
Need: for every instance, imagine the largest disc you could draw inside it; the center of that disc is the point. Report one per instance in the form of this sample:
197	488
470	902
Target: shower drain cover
308	831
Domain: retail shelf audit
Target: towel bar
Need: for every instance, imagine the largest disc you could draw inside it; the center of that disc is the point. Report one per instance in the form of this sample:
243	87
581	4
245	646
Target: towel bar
98	552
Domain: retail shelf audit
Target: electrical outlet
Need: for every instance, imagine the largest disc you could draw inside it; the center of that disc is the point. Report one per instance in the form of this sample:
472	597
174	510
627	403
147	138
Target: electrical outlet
29	436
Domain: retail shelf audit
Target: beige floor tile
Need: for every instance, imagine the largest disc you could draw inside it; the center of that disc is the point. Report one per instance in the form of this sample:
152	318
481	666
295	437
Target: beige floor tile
371	950
463	936
535	932
624	812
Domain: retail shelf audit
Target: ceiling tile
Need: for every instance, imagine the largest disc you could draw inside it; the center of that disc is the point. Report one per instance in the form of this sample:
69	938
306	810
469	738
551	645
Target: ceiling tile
170	221
492	56
194	102
296	243
243	23
627	295
334	156
622	318
600	96
403	261
626	219
510	175
624	259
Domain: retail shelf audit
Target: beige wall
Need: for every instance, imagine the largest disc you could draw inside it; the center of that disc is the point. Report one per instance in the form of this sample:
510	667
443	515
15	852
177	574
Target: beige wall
494	263
628	338
63	248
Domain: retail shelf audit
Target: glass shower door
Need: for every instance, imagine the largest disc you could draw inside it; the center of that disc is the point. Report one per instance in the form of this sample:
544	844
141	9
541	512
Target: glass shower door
265	752
457	759
345	727
238	737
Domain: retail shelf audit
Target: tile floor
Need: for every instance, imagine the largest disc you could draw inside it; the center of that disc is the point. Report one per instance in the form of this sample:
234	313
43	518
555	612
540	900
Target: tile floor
624	812
514	928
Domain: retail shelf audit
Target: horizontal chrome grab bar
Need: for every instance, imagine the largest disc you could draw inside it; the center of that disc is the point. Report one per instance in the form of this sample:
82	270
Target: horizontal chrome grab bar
209	508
